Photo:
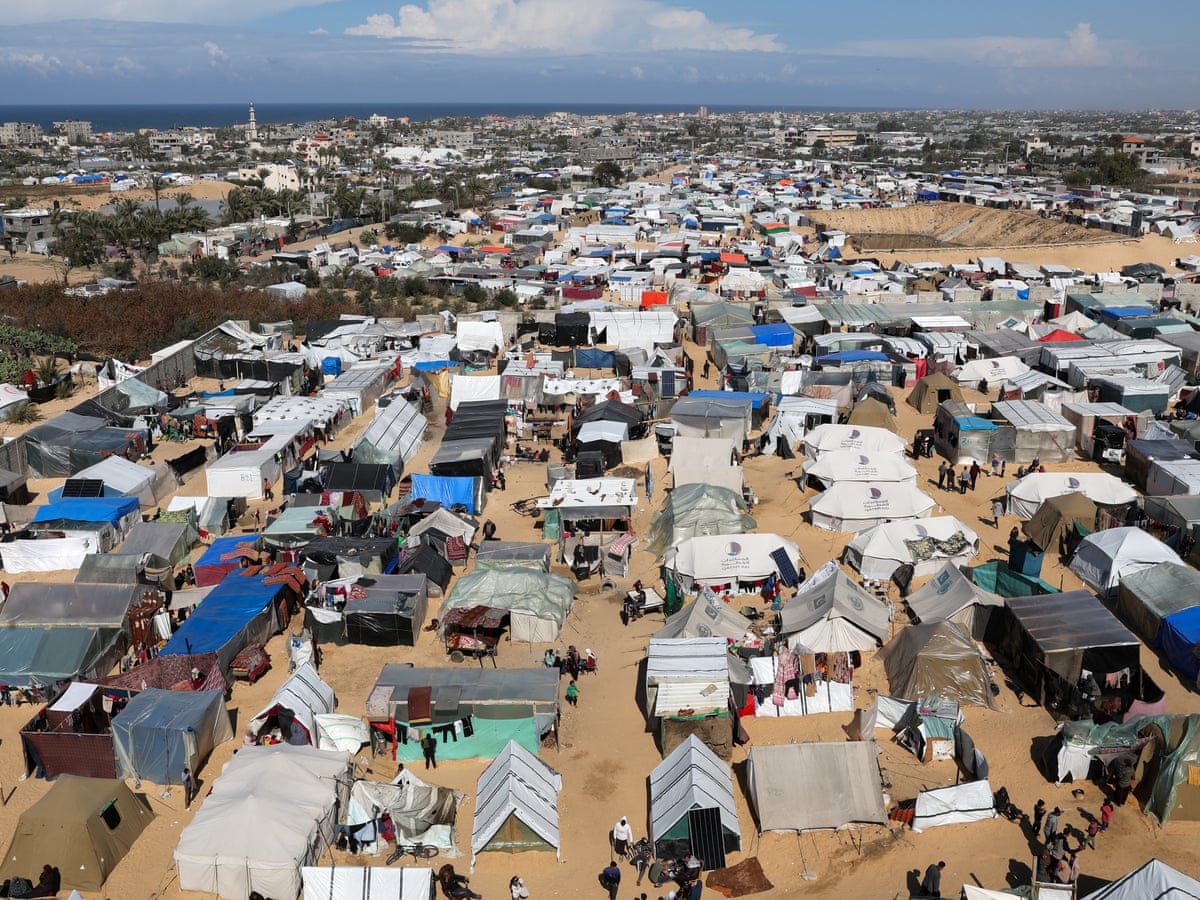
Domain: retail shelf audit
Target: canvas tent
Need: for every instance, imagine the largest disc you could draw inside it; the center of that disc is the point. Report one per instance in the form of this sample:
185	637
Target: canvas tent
82	826
857	506
393	437
938	658
1153	879
1026	495
366	883
717	560
1052	524
159	733
271	812
421	812
849	465
516	804
859	438
705	618
1105	557
705	460
956	804
931	391
538	603
926	544
831	614
950	596
304	696
692	809
802	787
993	371
697	509
871	413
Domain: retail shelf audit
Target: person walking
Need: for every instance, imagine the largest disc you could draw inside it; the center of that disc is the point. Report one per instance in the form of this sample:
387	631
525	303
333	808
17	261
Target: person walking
268	491
429	748
942	470
995	464
974	470
997	511
1106	814
964	479
622	837
189	788
610	877
1039	813
572	694
931	884
1050	829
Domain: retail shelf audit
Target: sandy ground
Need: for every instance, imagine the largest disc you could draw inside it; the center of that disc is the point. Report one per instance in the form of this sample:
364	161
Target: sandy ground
607	753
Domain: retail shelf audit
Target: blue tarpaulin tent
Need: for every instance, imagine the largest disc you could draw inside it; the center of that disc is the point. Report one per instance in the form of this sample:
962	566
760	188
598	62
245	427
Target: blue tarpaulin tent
593	358
331	365
1178	636
777	335
756	399
448	490
433	365
853	356
239	611
1126	312
88	509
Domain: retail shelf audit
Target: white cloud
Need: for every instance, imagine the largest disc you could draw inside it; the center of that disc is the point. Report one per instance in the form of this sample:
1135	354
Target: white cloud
218	11
1078	48
638	72
216	56
515	26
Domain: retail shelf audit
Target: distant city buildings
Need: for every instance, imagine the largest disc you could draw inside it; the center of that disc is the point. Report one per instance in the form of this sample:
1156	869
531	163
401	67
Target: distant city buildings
20	134
75	131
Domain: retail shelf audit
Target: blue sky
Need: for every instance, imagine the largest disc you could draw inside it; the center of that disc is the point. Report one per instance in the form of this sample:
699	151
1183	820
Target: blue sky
927	53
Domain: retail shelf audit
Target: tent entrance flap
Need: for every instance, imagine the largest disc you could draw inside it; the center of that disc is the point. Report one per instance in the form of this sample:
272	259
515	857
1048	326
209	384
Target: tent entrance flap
708	836
515	836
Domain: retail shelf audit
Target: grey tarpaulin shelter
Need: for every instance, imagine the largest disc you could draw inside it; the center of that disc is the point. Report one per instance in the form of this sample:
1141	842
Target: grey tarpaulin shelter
702	417
950	596
159	733
538	603
830	614
1147	597
1152	879
1038	432
505	554
421	812
804	787
692	809
697	509
516	804
394	437
1103	558
703	619
392	612
939	658
1047	639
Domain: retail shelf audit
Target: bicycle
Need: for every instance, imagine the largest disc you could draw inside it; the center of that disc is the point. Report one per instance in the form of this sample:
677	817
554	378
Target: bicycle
526	507
417	850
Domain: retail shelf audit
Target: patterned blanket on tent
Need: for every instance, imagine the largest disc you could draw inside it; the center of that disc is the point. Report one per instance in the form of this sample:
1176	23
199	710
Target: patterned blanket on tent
930	547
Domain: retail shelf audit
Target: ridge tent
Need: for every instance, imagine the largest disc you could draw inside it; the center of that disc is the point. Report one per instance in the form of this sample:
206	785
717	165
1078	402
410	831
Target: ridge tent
793	417
871	413
393	437
424	560
537	603
857	506
1056	519
718	560
926	545
421	812
1048	639
271	812
697	509
859	438
1026	496
850	465
516	806
931	390
802	787
120	478
956	804
1153	879
830	614
692	809
950	596
1103	558
876	390
159	733
705	618
366	883
82	826
937	658
299	700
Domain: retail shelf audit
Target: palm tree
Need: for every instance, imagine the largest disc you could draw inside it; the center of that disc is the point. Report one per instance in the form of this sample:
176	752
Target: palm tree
158	184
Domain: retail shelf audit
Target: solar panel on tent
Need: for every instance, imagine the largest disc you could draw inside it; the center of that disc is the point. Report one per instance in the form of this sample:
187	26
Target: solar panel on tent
83	487
786	570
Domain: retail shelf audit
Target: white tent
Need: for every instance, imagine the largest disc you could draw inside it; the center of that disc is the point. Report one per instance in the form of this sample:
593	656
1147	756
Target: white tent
692	777
830	613
421	812
1025	497
1103	558
48	554
366	883
516	804
793	414
954	805
394	437
472	388
604	432
716	559
1154	879
479	335
122	478
340	732
705	617
859	438
927	544
11	396
850	465
306	695
698	460
799	787
271	812
951	596
857	506
992	371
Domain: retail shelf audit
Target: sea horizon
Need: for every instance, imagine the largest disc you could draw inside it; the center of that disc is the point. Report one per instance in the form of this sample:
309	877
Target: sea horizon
164	116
